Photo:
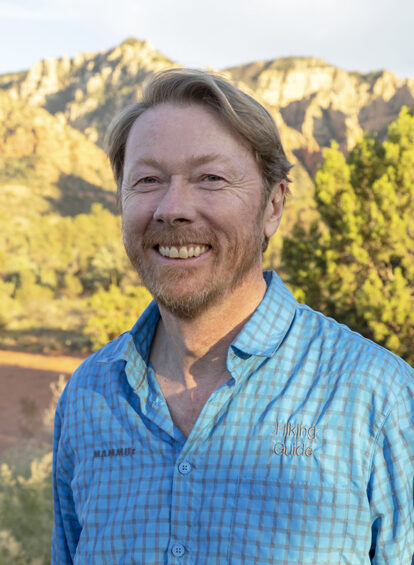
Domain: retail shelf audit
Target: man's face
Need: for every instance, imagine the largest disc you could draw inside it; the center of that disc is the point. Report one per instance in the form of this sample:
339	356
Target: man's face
193	221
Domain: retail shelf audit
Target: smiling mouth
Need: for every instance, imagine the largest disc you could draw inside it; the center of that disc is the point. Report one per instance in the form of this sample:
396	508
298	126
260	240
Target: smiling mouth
182	251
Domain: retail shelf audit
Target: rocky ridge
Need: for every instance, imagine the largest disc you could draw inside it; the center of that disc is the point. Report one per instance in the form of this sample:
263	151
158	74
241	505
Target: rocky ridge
88	90
312	101
321	102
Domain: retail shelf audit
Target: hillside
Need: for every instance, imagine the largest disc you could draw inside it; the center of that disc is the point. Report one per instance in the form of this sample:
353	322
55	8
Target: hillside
57	204
46	165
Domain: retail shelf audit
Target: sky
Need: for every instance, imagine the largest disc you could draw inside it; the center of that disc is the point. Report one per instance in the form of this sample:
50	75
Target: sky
361	35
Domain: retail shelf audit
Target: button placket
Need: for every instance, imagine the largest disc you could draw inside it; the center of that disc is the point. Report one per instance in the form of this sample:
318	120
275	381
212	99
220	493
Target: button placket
180	515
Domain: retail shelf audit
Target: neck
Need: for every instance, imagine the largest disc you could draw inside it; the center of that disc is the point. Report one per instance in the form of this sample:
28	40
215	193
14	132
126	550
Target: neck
192	351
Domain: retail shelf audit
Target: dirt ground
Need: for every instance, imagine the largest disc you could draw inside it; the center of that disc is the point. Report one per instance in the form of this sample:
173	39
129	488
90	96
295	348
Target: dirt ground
25	394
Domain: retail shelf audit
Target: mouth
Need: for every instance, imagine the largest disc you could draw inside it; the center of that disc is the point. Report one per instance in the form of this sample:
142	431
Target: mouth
182	251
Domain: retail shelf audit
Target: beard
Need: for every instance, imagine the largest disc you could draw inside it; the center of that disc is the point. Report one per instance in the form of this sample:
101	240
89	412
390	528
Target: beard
179	289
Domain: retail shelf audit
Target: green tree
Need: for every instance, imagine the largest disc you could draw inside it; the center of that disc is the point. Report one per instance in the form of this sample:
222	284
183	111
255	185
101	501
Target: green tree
114	311
356	263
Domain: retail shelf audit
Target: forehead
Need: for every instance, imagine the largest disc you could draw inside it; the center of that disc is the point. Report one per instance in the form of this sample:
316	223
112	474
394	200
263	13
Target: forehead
169	129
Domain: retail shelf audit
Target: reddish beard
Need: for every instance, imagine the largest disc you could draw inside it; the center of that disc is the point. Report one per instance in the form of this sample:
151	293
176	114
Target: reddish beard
164	281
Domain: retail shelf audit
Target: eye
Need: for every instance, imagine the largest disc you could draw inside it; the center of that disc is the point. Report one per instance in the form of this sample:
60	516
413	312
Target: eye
147	183
211	182
213	178
147	180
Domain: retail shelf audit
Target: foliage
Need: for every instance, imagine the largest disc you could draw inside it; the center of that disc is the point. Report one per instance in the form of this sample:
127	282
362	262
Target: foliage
26	513
7	305
357	262
50	266
114	311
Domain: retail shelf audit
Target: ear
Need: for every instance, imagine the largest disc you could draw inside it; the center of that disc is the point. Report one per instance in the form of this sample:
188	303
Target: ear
274	209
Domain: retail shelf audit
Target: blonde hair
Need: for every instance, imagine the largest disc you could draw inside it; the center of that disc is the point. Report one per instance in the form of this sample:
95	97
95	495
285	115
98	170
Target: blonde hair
242	114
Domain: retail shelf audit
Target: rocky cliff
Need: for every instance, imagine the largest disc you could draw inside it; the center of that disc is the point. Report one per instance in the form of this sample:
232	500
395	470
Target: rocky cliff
321	102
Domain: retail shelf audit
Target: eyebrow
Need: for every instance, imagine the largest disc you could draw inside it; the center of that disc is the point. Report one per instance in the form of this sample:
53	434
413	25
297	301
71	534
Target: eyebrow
194	161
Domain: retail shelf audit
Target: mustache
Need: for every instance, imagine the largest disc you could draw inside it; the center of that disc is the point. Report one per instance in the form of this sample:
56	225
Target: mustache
177	236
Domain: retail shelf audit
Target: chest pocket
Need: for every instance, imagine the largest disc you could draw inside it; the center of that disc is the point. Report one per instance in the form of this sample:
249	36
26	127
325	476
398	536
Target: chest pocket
281	522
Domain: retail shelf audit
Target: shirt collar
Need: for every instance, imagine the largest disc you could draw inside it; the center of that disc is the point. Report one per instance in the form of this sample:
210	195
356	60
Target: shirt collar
137	341
261	335
264	332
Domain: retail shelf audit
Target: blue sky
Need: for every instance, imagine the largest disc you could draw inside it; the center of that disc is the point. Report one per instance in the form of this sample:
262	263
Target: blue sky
362	35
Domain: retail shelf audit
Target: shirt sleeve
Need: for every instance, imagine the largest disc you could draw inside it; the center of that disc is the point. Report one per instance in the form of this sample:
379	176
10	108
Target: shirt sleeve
390	489
66	528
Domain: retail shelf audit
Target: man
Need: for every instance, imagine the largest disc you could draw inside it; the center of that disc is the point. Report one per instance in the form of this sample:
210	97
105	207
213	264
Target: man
231	424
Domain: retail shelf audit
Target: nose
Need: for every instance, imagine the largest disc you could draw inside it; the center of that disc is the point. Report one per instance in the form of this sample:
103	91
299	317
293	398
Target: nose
176	205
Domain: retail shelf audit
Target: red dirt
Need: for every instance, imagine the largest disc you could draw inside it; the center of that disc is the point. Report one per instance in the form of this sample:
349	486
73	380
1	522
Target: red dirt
25	394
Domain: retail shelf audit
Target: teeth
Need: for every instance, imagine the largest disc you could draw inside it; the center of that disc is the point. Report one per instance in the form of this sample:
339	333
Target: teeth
174	253
183	252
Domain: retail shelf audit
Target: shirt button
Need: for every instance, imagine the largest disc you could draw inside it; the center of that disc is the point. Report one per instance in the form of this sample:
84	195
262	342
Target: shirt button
178	549
184	467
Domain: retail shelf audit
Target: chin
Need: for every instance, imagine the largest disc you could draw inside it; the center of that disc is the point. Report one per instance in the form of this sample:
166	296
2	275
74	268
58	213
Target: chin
187	305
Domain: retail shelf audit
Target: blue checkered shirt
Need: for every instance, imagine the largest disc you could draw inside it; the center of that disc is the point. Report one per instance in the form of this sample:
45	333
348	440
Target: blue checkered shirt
304	456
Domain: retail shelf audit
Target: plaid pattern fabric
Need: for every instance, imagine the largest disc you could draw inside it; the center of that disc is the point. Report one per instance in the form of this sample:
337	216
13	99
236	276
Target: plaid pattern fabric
304	456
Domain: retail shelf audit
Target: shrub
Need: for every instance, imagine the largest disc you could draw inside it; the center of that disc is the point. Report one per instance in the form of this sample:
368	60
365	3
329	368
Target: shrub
26	516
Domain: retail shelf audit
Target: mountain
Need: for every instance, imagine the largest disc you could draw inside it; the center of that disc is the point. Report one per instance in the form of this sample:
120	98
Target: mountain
321	102
312	101
89	89
48	166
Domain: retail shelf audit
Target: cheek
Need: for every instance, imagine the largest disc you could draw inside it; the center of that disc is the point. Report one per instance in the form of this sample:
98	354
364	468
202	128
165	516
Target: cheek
136	215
